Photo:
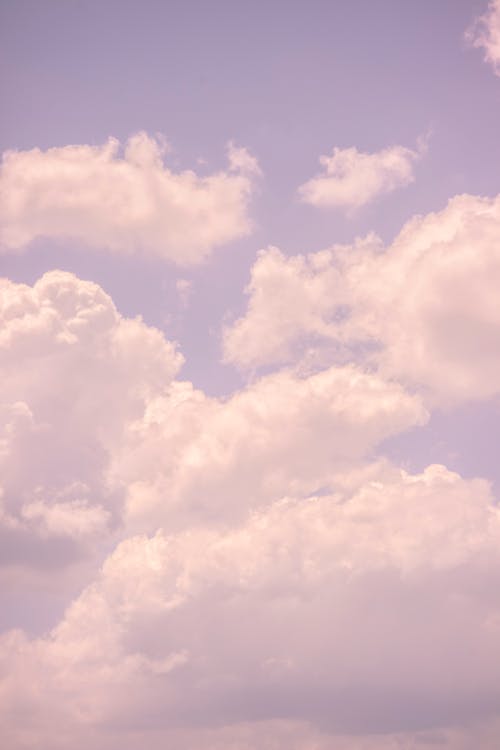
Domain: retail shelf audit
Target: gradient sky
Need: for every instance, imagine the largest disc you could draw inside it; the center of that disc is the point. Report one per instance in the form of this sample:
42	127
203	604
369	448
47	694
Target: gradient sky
250	356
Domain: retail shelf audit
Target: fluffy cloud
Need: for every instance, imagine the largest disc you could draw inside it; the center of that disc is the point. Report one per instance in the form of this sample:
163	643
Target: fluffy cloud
193	460
90	397
485	34
424	310
74	373
115	444
272	581
130	203
353	178
373	611
291	300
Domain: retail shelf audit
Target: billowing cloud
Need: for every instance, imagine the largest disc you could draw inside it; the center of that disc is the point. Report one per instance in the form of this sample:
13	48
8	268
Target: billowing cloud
126	203
425	310
485	34
192	459
114	443
291	301
373	611
352	178
74	373
269	572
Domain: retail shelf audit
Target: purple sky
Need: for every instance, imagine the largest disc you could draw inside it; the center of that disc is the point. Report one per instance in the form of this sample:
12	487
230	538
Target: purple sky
250	356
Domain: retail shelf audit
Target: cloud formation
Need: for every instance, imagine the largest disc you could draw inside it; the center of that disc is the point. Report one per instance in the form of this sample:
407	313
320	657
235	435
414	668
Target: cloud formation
352	178
249	571
485	34
74	373
440	274
371	611
194	460
128	203
116	444
256	566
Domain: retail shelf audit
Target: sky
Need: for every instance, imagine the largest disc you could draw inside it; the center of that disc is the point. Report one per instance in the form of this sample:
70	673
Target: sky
249	375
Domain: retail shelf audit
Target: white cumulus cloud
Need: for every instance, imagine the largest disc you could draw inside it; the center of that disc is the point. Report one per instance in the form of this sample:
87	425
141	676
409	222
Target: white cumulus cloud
97	438
423	310
192	459
74	373
126	203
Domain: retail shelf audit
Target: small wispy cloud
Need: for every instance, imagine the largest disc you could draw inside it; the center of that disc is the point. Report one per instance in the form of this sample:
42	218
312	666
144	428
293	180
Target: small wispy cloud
351	178
485	34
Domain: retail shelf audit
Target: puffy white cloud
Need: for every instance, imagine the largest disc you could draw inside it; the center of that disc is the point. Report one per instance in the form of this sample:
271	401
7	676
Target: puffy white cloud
485	34
130	203
300	585
99	440
192	459
368	612
425	310
292	300
73	374
352	178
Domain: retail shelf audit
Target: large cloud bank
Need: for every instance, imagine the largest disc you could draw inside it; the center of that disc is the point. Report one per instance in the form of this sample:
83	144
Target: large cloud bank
349	612
257	574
